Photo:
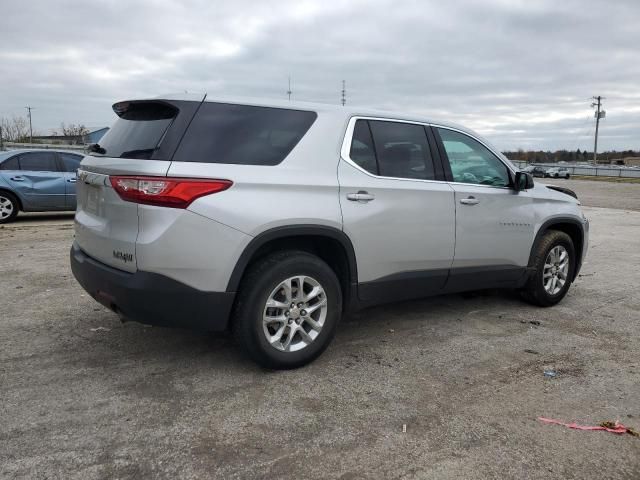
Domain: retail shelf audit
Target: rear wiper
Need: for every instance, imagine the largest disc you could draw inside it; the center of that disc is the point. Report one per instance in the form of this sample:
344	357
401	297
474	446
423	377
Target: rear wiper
96	148
144	153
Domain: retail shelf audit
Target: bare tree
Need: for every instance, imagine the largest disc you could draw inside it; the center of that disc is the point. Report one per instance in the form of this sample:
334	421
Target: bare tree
73	130
15	129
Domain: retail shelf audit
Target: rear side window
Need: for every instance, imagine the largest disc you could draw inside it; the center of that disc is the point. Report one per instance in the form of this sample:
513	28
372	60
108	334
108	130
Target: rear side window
71	162
38	162
392	149
241	134
11	164
138	131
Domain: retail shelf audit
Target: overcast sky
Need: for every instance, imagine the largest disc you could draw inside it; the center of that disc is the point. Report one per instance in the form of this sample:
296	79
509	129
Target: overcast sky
519	72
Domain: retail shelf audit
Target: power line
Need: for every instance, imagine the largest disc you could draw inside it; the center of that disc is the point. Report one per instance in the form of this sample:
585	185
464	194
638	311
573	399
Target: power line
583	131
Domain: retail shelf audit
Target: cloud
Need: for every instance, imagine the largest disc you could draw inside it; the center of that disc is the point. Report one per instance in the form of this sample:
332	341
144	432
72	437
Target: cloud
520	72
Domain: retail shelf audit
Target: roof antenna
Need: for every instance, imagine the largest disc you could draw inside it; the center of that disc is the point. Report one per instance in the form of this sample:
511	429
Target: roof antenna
344	93
289	89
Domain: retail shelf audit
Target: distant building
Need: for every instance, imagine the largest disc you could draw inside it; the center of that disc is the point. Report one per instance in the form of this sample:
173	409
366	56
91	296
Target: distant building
58	139
627	161
95	135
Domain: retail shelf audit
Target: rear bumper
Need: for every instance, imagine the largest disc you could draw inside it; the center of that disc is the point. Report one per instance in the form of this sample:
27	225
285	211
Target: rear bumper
151	298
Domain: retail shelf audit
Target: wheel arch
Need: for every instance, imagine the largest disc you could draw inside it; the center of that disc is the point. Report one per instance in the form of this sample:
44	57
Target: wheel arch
330	244
572	227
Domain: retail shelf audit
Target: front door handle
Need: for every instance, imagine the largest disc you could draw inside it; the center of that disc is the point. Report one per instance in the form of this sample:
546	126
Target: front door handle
18	179
361	196
470	200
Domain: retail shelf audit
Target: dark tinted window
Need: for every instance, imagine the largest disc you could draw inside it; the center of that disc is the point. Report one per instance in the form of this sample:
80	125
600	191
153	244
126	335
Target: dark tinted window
472	162
11	164
240	134
362	151
38	162
71	162
402	150
138	131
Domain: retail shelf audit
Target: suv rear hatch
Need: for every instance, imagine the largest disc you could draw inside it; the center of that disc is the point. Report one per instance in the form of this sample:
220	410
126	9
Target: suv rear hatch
141	143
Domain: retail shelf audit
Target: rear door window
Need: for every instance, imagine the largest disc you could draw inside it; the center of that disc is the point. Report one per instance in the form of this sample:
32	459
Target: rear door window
11	164
38	162
362	151
138	131
402	150
242	134
70	161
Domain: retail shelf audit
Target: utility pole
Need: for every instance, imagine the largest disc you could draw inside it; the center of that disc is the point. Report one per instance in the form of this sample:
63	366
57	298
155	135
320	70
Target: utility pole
599	114
30	126
289	89
1	141
344	93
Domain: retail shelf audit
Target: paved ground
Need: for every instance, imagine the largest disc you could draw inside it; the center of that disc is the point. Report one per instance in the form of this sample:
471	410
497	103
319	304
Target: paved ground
84	396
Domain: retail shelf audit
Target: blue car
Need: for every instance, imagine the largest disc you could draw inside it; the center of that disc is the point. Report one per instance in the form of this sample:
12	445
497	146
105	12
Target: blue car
37	181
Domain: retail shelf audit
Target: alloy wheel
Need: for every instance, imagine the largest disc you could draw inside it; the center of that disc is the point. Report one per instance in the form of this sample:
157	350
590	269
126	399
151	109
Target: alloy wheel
295	313
556	270
6	207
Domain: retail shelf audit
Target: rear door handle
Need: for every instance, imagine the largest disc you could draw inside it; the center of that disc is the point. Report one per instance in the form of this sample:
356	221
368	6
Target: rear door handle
361	196
71	180
17	179
469	201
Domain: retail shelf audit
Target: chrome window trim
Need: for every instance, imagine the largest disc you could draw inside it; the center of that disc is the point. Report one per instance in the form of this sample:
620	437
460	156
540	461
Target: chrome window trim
348	139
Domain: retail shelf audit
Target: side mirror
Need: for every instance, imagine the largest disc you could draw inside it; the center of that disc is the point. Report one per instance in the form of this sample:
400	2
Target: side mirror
523	181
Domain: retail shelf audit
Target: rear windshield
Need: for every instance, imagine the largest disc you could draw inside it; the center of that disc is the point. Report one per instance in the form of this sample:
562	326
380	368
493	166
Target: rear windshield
138	131
241	134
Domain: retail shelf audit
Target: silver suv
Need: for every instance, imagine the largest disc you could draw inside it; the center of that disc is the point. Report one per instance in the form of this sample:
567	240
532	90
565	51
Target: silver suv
274	218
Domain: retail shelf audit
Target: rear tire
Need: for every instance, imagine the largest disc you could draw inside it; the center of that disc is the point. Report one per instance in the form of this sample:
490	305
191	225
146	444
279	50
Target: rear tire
552	278
8	207
271	323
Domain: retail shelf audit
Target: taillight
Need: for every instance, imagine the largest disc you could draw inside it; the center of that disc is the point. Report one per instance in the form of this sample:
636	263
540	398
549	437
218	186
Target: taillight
164	191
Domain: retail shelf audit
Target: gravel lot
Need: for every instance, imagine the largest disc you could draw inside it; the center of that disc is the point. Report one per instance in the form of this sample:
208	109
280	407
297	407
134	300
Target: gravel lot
84	396
601	194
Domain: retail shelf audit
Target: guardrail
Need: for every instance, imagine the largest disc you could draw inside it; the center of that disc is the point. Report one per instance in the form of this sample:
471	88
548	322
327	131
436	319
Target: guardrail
604	171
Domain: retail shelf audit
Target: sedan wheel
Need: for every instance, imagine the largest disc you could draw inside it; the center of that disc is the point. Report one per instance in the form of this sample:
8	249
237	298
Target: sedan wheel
8	207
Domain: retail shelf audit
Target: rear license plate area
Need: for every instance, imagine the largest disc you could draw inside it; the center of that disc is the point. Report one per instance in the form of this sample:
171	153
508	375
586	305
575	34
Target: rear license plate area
93	194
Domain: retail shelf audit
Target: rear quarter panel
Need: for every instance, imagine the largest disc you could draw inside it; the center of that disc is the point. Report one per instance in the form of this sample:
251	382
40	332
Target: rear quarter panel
302	189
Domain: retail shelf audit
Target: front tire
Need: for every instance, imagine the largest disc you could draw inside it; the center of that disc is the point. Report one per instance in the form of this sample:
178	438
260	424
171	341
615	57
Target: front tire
288	308
8	207
554	261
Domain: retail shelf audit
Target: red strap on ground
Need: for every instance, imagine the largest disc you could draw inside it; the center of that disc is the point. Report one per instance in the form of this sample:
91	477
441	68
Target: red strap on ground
606	426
